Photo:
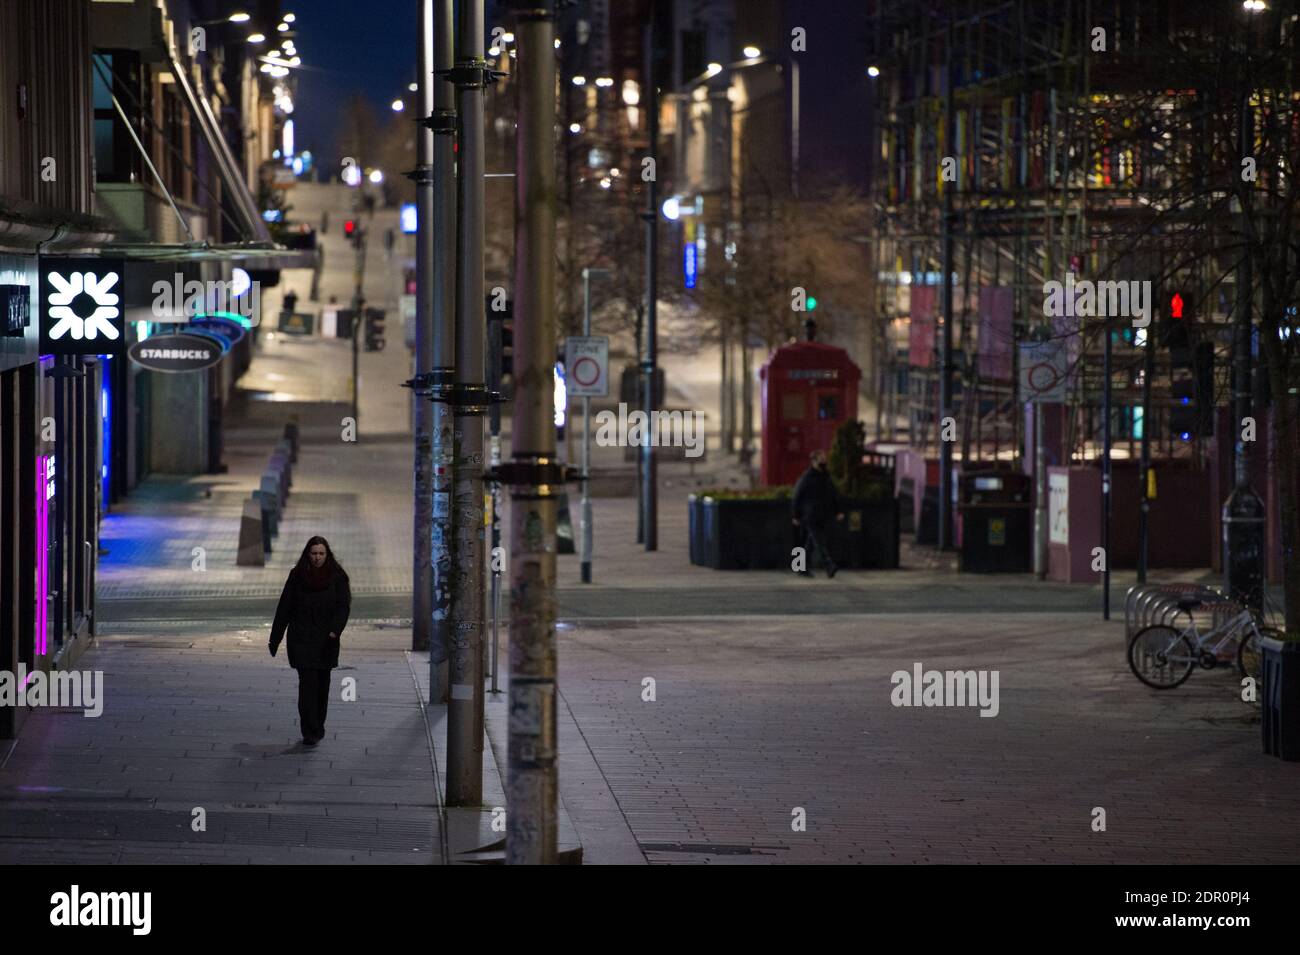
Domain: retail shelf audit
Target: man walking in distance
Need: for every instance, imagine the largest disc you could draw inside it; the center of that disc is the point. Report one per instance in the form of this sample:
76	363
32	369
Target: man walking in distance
815	501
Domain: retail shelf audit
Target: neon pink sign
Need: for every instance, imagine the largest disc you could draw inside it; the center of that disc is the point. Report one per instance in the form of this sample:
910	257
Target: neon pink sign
42	553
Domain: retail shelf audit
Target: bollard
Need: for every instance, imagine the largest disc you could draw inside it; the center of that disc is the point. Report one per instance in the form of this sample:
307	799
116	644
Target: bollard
279	463
268	519
271	487
291	433
252	535
286	450
281	482
270	515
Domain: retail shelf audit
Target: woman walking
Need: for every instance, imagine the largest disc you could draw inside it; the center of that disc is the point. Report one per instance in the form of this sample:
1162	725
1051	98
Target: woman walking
314	606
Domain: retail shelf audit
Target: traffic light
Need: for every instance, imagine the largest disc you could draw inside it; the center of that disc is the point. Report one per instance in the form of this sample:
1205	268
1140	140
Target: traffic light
1193	392
375	340
501	341
353	232
1175	333
810	304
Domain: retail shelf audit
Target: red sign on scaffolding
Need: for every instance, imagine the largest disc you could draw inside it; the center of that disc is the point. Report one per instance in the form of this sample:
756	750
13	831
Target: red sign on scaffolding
921	327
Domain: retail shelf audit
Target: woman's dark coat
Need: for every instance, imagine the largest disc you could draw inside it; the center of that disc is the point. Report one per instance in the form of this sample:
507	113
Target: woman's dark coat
311	616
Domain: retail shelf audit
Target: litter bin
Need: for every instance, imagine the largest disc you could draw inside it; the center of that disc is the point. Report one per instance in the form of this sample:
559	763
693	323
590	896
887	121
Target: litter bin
996	522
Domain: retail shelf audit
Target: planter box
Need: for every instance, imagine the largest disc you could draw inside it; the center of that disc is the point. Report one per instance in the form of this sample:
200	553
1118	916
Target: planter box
1280	699
740	534
759	535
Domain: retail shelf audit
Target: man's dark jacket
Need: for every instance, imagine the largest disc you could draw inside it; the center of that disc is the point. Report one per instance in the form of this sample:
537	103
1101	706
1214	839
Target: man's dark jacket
816	501
311	616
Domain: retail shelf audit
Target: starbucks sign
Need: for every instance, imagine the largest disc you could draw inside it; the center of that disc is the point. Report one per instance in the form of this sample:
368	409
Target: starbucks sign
176	353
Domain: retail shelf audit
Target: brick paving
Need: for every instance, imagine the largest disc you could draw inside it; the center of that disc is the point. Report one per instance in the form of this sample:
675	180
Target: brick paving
754	718
211	723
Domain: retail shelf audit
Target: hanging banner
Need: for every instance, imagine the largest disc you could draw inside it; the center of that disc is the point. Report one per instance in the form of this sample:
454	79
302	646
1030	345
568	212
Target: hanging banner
995	334
920	335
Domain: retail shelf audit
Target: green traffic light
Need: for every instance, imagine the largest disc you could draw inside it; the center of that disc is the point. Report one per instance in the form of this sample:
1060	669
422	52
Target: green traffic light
812	303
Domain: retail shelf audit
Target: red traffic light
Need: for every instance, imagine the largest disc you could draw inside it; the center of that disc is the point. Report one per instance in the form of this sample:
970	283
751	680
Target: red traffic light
349	228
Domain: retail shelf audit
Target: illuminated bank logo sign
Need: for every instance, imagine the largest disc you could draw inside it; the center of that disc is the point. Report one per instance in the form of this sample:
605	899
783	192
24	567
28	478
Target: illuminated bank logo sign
175	353
81	307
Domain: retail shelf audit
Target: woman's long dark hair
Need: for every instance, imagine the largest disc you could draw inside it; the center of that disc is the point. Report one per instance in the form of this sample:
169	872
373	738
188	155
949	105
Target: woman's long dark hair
332	566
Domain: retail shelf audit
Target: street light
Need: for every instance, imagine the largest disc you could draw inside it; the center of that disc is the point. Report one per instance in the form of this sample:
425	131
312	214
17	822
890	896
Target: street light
873	71
257	38
289	18
713	69
579	80
752	52
376	176
238	18
398	106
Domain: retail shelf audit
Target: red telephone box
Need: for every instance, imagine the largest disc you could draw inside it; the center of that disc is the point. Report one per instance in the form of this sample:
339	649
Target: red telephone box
809	390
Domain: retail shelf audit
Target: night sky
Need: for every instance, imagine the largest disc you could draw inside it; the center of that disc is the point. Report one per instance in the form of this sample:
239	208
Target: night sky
349	46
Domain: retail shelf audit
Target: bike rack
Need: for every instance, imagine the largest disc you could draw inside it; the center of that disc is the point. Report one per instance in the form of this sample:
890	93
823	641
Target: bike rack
1158	603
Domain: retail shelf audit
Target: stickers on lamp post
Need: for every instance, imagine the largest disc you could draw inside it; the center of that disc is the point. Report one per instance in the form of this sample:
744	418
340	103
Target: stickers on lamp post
82	312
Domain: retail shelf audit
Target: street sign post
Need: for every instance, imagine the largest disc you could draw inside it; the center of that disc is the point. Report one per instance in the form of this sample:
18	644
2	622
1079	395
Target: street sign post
587	357
586	360
1043	367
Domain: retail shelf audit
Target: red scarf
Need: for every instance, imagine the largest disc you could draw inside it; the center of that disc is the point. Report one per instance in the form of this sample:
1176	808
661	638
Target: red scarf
316	578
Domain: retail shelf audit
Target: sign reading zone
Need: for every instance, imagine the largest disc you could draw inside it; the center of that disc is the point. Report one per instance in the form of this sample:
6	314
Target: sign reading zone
586	359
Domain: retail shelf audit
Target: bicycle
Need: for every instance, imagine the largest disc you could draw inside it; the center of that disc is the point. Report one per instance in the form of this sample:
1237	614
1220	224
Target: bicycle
1163	657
